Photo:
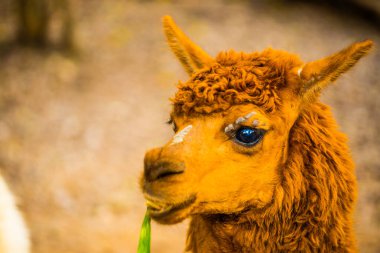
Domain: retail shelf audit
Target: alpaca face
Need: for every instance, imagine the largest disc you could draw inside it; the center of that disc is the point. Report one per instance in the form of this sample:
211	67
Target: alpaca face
232	120
213	169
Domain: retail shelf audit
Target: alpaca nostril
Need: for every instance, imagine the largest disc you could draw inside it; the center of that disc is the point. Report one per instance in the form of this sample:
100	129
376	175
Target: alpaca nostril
161	170
166	173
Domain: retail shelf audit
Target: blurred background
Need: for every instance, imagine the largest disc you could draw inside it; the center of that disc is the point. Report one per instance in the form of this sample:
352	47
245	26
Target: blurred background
84	88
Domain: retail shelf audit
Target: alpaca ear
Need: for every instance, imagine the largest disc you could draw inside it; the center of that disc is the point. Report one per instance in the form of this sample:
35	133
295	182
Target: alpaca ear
190	55
318	74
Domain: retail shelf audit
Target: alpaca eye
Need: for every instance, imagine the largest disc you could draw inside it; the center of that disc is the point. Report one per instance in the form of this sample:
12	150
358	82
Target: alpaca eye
248	136
172	123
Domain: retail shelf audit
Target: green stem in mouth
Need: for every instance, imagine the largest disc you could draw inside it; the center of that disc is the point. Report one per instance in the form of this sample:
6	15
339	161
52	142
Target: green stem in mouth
144	242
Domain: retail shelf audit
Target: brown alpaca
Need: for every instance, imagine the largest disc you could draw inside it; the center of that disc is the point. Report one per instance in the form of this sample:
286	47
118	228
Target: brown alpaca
257	162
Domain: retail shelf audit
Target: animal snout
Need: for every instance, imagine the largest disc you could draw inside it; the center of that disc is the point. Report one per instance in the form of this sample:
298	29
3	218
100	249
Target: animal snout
156	168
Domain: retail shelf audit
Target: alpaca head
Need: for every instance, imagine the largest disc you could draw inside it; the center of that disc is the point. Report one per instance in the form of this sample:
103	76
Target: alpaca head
232	121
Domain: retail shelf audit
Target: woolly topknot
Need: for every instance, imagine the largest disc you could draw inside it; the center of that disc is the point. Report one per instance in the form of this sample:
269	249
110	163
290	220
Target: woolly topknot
235	78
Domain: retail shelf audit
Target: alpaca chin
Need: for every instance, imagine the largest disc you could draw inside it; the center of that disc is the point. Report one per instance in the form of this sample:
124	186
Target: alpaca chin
171	213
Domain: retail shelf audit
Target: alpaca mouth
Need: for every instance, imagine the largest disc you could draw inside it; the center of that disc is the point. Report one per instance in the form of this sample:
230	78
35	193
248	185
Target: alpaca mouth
155	207
166	212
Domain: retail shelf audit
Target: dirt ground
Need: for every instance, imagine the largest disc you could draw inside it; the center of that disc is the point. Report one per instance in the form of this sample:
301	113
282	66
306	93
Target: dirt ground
73	131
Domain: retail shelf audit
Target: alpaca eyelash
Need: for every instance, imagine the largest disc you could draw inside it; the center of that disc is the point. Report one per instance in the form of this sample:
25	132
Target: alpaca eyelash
231	129
169	121
238	122
231	134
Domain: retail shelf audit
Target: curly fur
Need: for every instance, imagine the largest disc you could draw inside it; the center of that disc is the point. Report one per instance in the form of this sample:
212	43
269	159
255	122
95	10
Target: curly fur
235	78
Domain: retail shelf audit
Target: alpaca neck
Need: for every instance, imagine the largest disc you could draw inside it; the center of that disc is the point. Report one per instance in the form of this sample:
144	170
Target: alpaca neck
313	214
280	234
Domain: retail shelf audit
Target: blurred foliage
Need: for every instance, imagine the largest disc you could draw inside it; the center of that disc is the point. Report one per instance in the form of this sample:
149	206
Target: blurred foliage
34	19
368	10
33	16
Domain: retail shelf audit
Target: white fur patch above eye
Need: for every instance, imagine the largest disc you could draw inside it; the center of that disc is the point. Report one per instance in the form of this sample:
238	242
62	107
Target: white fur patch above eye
249	115
244	118
178	138
240	120
229	128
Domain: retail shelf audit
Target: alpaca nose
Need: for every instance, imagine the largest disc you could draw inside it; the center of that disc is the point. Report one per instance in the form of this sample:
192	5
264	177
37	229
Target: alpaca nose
161	170
156	167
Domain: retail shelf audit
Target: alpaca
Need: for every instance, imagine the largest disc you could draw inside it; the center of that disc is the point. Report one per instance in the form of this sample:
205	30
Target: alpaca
14	237
257	162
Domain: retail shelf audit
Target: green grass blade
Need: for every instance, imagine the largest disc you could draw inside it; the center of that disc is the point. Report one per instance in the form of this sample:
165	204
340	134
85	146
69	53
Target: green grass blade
144	242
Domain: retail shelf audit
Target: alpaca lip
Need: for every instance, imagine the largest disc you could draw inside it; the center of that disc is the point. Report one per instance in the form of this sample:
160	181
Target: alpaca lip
158	210
155	206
